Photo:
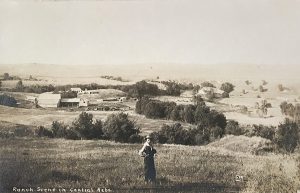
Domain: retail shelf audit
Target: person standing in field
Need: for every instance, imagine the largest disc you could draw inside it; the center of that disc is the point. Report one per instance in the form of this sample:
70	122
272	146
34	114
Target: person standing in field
148	152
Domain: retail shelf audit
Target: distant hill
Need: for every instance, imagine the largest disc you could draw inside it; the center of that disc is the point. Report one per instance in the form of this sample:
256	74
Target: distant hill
163	71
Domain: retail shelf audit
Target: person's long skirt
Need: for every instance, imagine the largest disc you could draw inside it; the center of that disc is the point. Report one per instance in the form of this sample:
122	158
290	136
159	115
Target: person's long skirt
149	168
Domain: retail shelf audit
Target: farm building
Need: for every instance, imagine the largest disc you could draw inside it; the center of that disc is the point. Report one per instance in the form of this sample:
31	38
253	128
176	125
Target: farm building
49	100
76	89
73	102
69	102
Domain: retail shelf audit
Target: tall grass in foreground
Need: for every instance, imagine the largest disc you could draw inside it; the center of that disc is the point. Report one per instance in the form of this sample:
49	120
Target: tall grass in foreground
58	163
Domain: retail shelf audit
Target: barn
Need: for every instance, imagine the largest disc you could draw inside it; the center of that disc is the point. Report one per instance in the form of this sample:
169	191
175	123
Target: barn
69	102
74	102
49	100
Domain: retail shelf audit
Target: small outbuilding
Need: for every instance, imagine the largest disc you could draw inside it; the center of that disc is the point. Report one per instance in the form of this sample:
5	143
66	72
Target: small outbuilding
77	89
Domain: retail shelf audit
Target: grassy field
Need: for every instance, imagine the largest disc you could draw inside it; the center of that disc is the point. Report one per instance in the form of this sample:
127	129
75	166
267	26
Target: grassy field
45	117
86	165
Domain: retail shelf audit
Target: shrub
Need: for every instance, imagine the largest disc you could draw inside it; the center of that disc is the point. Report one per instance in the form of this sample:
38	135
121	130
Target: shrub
141	89
154	109
69	94
8	101
173	89
43	132
207	84
227	87
233	128
188	113
287	136
175	134
262	89
22	131
85	127
19	86
119	128
72	134
201	135
264	131
58	129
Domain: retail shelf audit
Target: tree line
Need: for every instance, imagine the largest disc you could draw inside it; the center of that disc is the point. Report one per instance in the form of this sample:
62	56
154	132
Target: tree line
116	127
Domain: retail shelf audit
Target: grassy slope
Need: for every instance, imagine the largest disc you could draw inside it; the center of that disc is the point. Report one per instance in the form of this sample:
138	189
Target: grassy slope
91	164
45	117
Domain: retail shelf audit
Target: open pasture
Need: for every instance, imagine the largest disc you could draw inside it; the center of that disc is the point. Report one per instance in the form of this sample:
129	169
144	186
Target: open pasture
59	163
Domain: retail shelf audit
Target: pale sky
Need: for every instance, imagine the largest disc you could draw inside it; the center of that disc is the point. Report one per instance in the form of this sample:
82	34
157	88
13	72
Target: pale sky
150	32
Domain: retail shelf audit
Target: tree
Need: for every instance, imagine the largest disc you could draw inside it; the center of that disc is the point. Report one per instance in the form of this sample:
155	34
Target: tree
86	128
202	116
233	128
262	89
6	76
188	114
119	128
247	82
264	82
20	86
154	109
58	129
8	101
287	136
173	89
262	108
207	84
175	134
198	100
227	87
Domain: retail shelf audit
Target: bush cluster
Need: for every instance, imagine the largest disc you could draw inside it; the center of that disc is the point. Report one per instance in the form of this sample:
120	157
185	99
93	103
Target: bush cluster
116	127
8	101
198	135
198	113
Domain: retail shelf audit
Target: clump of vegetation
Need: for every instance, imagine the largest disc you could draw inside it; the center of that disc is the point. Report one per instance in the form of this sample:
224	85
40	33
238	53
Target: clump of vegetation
44	132
262	107
69	94
207	84
140	89
262	89
194	114
119	128
233	128
287	136
263	131
264	82
6	76
8	100
119	78
174	134
247	82
291	111
227	87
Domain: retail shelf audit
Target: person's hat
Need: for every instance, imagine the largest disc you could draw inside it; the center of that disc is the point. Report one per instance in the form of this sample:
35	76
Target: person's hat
148	137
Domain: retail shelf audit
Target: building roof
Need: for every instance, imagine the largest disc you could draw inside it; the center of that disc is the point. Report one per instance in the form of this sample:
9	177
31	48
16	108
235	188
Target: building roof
70	100
75	89
50	96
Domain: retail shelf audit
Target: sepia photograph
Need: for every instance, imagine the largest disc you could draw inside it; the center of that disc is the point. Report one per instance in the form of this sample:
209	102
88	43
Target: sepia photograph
150	96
